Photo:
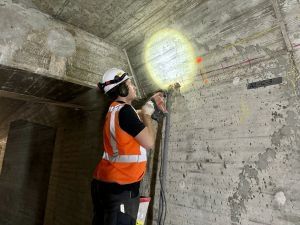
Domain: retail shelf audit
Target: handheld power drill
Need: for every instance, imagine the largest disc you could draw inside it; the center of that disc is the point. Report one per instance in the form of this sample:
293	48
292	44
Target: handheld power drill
158	100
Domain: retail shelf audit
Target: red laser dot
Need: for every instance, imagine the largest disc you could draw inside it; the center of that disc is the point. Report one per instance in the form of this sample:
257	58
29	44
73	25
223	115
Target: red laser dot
199	59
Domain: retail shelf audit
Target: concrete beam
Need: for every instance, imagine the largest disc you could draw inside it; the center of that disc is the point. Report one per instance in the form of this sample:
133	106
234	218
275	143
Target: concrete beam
29	98
20	81
35	42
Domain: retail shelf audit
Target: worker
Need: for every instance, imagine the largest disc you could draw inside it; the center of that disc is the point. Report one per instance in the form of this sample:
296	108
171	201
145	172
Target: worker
127	135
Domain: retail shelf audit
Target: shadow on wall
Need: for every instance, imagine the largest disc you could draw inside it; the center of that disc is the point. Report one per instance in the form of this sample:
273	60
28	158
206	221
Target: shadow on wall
25	174
78	149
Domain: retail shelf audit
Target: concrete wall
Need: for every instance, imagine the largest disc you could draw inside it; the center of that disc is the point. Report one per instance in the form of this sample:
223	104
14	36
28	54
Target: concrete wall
38	43
33	42
234	152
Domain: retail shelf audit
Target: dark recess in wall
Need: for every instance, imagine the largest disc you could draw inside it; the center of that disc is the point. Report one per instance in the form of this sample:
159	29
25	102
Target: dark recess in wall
25	174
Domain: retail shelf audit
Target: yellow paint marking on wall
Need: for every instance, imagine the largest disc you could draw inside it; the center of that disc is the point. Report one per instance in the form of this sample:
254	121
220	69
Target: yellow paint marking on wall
244	111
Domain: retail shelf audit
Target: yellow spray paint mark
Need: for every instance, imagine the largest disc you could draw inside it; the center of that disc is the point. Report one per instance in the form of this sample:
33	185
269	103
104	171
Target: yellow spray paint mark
244	111
139	222
256	35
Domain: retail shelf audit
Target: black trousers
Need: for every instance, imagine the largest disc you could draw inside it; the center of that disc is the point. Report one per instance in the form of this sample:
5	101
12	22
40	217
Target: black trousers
114	204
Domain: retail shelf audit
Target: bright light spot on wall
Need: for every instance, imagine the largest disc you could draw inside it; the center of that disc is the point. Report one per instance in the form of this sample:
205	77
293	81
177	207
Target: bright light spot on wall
170	58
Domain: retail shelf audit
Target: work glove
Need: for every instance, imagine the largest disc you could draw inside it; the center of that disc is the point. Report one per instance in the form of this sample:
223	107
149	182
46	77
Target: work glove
148	108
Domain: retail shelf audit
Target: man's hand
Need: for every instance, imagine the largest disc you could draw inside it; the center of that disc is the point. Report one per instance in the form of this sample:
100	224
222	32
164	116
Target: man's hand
146	136
148	108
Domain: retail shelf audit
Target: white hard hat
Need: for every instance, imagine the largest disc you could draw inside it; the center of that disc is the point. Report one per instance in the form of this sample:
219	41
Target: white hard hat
112	78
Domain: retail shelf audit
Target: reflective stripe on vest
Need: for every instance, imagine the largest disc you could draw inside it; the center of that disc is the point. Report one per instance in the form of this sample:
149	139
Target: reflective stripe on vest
127	158
116	157
113	142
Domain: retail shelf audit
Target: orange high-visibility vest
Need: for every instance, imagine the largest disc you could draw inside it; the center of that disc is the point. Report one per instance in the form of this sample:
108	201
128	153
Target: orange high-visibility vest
124	159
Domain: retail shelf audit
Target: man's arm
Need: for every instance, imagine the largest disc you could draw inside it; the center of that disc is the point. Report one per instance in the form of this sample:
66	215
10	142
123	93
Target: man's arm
146	136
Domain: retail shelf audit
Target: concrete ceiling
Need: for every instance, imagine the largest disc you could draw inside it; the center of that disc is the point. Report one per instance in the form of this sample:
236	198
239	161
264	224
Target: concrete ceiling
125	23
122	22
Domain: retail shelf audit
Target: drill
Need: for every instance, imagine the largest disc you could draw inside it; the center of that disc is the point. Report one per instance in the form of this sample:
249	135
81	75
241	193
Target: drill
158	100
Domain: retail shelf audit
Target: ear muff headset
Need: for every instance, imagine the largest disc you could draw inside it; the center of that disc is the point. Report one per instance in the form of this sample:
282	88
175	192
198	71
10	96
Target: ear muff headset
123	89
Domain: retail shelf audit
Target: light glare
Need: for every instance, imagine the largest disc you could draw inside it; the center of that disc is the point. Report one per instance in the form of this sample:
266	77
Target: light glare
170	58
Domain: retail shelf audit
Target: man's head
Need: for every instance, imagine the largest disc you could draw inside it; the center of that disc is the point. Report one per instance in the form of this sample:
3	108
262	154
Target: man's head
116	84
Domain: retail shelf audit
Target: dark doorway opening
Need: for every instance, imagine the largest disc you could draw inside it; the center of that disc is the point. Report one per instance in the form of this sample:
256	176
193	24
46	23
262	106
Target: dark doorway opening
25	173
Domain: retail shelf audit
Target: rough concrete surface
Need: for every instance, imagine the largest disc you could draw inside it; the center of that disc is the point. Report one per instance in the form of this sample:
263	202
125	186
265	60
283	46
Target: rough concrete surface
232	149
34	41
234	153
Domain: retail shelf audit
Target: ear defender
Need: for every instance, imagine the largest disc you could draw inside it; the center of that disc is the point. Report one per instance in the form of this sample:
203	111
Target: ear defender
123	89
101	87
